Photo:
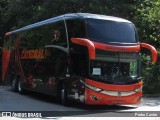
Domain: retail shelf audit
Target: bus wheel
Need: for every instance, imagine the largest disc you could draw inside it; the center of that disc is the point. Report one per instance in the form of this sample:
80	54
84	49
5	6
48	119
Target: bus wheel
20	89
14	85
64	95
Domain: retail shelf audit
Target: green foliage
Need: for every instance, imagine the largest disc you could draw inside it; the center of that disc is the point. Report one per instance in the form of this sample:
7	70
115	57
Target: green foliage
150	76
144	13
147	17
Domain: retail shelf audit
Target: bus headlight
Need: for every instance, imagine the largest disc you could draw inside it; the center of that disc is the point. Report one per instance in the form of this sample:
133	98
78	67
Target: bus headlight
138	89
90	86
93	88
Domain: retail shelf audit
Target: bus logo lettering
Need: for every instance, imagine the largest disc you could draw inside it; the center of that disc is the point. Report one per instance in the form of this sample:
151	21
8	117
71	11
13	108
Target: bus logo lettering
33	54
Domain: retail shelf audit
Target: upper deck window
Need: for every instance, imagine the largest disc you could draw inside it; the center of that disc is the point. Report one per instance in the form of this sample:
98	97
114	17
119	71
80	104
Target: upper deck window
50	34
76	28
105	31
8	42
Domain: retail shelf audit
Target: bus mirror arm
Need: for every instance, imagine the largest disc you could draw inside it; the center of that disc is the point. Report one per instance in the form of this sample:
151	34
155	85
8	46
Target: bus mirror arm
87	43
152	49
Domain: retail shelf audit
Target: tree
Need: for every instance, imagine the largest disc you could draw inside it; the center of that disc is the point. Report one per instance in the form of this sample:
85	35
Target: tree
147	19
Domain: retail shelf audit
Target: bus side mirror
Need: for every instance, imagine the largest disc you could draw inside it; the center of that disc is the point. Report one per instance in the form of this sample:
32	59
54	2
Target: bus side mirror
152	49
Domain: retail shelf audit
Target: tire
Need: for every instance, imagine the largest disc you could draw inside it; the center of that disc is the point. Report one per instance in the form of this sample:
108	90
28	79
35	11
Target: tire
20	88
63	95
14	85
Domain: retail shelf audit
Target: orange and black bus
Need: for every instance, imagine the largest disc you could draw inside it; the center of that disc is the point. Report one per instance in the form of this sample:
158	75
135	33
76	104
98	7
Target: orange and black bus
90	58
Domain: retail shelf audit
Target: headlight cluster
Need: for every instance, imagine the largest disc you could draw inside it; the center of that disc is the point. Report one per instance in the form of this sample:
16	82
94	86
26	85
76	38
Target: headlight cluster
91	87
138	89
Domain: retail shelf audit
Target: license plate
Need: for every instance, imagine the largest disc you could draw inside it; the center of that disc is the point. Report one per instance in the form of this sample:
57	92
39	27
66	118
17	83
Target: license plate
118	101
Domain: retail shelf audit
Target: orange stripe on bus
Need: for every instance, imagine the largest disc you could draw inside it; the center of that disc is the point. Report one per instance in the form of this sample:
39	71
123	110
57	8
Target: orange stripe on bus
117	48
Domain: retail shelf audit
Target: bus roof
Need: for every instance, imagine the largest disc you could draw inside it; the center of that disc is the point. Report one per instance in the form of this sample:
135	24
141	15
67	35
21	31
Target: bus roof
102	17
69	16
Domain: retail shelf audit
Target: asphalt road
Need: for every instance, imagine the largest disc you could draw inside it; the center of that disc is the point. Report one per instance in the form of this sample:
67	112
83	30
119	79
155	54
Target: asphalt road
11	101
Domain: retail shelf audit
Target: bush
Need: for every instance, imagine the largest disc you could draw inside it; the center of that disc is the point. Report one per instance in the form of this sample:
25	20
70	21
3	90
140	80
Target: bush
151	77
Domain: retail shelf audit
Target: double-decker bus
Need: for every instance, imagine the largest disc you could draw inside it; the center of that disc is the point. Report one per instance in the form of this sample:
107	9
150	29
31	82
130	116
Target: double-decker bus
90	58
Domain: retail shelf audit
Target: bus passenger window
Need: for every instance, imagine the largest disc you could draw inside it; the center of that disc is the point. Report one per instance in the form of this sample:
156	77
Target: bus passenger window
76	28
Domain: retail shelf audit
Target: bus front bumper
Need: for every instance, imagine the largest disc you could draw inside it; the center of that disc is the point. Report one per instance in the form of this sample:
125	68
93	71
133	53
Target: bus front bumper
92	97
112	94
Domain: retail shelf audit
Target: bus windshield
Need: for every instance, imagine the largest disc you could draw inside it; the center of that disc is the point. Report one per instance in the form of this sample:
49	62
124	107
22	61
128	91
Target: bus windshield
105	31
116	68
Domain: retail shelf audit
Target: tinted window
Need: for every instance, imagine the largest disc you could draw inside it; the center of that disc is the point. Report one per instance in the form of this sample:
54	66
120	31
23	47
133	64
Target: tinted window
114	67
76	28
51	34
9	42
33	38
104	31
58	34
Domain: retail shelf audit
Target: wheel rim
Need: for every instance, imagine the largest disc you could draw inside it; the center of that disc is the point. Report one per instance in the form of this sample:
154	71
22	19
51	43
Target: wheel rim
62	94
19	86
13	84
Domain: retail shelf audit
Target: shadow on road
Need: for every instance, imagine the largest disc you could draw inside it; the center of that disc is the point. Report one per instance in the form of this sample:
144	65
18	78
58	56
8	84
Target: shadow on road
51	99
79	109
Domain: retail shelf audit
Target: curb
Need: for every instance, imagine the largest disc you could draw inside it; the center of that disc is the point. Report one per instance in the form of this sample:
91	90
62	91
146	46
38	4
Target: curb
151	95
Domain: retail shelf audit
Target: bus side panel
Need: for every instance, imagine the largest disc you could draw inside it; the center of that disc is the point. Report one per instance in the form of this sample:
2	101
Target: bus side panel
43	69
41	57
6	55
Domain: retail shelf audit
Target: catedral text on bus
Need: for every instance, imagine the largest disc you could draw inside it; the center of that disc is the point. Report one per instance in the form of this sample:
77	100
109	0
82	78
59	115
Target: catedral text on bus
90	58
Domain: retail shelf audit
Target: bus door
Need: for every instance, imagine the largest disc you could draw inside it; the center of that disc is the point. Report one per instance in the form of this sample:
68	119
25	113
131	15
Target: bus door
79	71
56	66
